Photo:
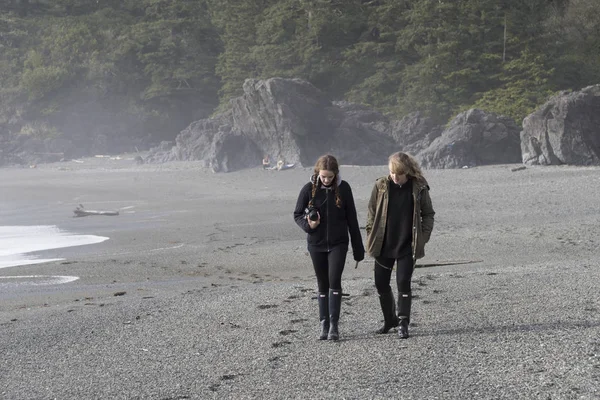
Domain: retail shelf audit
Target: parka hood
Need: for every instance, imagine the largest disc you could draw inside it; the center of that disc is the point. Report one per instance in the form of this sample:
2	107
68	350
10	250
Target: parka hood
385	180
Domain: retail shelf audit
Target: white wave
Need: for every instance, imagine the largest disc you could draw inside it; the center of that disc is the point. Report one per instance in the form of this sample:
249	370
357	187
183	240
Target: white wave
35	280
16	242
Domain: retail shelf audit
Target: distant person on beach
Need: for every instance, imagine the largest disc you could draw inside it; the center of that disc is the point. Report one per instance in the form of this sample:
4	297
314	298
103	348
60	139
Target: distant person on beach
325	210
280	163
266	162
399	223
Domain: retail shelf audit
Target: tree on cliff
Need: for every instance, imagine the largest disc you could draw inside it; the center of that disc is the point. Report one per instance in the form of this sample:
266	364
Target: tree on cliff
146	68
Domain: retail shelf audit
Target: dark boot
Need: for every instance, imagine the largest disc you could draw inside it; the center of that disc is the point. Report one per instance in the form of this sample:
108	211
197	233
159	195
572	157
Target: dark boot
335	303
403	329
323	314
404	303
388	307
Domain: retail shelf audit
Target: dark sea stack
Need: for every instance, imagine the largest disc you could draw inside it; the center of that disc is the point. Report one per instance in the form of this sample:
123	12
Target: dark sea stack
474	138
565	130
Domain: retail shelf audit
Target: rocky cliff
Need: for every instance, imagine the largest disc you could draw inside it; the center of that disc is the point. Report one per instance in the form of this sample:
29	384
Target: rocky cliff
565	130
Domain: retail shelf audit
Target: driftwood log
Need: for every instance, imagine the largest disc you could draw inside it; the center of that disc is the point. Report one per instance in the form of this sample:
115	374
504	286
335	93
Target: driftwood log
80	212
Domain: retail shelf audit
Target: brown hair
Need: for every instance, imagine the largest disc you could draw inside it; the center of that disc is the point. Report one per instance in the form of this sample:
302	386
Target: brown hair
328	163
403	163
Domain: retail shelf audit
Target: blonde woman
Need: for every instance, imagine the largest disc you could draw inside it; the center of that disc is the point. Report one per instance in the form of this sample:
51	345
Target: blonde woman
325	210
399	223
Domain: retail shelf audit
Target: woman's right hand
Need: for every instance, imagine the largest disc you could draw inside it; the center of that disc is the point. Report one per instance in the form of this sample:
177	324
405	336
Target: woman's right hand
314	224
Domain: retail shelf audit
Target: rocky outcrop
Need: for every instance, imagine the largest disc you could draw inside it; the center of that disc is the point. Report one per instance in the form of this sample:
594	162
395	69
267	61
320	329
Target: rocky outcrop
283	118
415	132
474	138
360	135
565	130
293	120
211	141
25	149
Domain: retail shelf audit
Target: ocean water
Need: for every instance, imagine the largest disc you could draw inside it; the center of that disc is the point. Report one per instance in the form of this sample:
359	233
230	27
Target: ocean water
18	242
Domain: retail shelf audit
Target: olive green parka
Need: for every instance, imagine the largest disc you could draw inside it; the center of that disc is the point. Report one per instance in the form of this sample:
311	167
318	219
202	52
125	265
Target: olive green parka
377	216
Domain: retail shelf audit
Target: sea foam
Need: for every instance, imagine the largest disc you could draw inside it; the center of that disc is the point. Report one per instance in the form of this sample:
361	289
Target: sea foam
18	242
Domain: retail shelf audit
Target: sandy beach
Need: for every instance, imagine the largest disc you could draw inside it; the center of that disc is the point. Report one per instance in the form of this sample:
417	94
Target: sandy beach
204	289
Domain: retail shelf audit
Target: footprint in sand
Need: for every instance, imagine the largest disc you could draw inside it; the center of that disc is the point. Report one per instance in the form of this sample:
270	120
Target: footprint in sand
286	332
280	344
266	306
275	361
298	320
215	386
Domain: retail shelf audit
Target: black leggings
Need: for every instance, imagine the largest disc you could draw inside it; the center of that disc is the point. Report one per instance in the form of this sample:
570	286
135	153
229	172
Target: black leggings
383	273
329	267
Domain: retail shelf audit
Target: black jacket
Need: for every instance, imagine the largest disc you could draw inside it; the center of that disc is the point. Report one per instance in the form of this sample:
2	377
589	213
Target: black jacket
335	222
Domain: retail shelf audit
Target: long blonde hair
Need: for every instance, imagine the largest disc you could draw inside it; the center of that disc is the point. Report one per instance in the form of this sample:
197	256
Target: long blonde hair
403	163
328	163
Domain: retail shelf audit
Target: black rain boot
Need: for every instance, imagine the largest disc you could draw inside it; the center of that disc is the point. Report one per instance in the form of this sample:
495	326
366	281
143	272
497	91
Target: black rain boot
323	314
335	303
404	303
388	307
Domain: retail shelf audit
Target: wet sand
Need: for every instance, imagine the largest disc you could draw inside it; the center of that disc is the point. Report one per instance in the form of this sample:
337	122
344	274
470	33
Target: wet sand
205	289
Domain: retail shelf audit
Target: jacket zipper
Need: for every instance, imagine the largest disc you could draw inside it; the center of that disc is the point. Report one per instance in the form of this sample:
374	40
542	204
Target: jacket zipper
415	233
327	202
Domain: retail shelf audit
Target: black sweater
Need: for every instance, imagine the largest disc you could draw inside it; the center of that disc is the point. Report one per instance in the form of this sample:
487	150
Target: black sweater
397	241
335	222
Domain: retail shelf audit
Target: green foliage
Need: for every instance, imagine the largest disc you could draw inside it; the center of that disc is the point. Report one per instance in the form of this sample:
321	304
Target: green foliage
39	130
40	81
159	55
236	21
158	62
456	47
576	29
307	40
526	85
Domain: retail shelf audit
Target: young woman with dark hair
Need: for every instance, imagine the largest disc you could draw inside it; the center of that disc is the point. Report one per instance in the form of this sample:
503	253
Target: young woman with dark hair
325	210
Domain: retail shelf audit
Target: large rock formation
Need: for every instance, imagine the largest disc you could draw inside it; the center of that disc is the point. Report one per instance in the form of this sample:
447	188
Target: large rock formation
474	138
415	132
360	135
293	120
565	130
283	118
212	141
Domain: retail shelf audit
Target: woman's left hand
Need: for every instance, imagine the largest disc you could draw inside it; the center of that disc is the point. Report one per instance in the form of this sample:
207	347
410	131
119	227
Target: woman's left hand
314	224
